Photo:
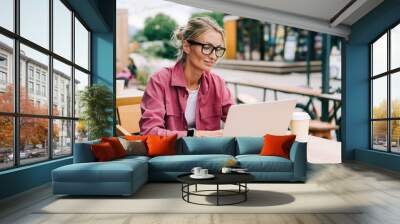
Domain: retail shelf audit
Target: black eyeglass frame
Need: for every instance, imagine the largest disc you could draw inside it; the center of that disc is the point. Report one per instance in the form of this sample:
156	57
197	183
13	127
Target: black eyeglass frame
214	49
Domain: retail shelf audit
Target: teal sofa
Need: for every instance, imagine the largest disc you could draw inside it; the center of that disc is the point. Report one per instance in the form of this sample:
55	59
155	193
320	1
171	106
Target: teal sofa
125	176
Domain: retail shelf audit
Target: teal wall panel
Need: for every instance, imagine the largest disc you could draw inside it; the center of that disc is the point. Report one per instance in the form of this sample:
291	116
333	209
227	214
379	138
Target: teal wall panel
24	178
377	158
103	63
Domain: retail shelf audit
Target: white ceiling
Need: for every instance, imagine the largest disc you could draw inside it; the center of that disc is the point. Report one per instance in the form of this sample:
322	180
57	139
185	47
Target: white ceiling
315	15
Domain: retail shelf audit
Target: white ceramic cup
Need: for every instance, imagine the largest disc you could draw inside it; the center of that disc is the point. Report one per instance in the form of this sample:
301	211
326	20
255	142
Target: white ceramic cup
226	170
196	170
299	125
203	172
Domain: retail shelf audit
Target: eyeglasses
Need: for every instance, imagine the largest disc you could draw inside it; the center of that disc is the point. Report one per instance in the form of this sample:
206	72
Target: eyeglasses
207	49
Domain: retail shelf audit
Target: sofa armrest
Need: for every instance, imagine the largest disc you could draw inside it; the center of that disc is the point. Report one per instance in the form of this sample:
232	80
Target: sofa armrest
83	152
298	155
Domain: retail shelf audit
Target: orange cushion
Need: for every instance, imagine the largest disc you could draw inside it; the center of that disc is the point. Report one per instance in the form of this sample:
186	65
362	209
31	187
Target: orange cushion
103	151
161	145
116	145
277	145
135	137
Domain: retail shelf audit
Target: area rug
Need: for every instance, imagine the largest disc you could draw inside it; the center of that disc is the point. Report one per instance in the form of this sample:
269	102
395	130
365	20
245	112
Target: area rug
167	198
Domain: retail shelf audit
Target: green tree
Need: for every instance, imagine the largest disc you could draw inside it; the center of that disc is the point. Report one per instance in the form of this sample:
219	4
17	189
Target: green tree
217	16
159	27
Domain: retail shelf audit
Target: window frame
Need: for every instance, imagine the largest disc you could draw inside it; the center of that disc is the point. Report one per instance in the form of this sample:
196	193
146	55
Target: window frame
16	114
388	74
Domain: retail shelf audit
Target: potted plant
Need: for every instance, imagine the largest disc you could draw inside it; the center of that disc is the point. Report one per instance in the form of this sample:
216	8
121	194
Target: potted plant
96	104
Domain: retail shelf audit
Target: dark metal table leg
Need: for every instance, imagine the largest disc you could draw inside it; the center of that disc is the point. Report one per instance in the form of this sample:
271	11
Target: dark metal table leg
245	193
188	190
217	194
196	188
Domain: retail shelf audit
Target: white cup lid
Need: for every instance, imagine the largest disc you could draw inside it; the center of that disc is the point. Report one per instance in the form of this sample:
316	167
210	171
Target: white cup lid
297	115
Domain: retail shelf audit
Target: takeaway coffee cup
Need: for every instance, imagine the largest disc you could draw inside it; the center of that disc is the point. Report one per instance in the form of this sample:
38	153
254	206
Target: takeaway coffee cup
299	125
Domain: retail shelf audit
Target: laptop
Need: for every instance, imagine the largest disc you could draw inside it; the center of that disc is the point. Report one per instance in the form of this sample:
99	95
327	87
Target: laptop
258	119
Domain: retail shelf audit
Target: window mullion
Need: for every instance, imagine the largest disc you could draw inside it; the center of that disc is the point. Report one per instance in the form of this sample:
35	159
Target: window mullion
370	97
50	81
73	82
389	93
16	85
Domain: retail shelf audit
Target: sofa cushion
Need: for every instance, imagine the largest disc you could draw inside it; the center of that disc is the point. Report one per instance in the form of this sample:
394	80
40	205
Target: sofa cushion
132	158
257	163
112	171
134	147
207	145
116	145
249	145
161	145
103	152
136	137
185	163
277	145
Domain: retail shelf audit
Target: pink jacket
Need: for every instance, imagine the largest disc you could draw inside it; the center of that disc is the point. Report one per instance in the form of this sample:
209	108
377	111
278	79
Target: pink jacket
164	103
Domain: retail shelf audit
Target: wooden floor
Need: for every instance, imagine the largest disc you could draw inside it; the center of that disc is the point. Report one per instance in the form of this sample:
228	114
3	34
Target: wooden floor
377	188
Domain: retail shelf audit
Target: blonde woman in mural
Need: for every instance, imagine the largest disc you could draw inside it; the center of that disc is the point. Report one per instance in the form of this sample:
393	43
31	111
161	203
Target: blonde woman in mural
187	99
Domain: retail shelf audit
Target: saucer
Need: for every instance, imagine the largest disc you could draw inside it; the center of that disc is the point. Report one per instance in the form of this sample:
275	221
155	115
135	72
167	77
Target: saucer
208	176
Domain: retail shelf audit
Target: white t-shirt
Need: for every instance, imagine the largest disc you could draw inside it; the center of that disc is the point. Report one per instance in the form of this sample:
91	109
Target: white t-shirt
190	112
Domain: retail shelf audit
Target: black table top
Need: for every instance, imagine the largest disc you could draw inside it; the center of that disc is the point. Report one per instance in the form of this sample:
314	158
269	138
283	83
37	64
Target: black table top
220	178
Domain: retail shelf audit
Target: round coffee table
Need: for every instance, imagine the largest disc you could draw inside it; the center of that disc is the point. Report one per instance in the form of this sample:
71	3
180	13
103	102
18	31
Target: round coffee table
238	179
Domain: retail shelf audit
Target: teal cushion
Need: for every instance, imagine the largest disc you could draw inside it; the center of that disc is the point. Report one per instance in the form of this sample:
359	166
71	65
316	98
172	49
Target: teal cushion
111	171
133	158
257	163
249	145
207	145
185	163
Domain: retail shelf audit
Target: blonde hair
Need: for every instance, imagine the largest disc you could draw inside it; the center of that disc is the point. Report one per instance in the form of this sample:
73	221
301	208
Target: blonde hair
194	28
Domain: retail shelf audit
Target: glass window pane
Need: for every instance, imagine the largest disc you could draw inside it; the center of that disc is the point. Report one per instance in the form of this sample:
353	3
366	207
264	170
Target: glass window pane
81	45
379	97
34	72
6	74
7	14
62	29
395	47
33	140
379	55
81	131
35	21
62	138
62	89
379	135
395	94
6	142
395	136
81	81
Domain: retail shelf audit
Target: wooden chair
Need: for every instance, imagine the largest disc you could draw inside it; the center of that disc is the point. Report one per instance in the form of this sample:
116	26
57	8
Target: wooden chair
128	115
322	129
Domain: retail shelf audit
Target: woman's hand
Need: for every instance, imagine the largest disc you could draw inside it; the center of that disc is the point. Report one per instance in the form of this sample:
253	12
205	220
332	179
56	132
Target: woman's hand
202	133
